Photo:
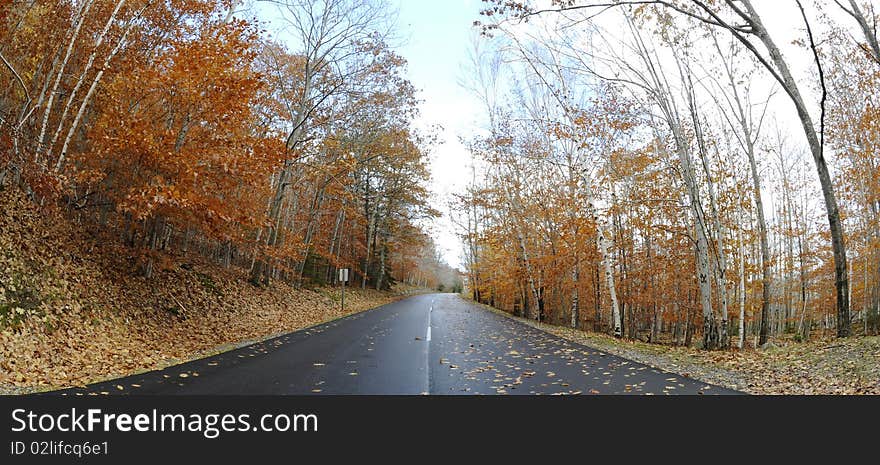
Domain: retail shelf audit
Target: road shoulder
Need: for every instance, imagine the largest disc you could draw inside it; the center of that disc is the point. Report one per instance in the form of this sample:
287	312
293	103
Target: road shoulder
650	355
822	366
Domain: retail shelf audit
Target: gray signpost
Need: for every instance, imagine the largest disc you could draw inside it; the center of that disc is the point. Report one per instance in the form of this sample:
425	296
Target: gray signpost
343	278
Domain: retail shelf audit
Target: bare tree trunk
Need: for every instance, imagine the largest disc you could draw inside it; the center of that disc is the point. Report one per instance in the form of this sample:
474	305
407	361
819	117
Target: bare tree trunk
380	279
157	223
317	203
742	289
838	244
285	176
340	218
597	322
720	232
656	81
765	248
371	234
603	241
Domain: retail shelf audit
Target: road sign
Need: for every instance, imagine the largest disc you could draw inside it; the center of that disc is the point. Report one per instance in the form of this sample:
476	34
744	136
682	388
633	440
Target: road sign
343	278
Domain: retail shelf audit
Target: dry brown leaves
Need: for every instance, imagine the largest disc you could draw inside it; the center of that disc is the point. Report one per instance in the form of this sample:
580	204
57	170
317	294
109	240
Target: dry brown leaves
822	366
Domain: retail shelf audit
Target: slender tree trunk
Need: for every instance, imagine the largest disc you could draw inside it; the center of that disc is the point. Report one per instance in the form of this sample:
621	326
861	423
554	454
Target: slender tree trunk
710	335
597	322
84	10
765	248
742	290
602	241
371	234
83	75
838	244
575	277
720	232
157	224
82	108
380	279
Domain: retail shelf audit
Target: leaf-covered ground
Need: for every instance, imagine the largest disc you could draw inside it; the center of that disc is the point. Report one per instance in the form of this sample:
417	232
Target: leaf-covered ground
821	366
74	311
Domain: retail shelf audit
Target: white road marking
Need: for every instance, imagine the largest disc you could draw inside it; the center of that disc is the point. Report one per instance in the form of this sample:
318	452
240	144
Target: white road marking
428	352
428	336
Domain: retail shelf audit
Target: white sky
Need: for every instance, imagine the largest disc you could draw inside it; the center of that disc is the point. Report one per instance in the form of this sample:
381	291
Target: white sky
437	36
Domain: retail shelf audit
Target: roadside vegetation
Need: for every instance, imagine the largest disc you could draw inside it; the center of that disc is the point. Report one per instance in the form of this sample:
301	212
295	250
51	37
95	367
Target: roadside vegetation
685	173
74	312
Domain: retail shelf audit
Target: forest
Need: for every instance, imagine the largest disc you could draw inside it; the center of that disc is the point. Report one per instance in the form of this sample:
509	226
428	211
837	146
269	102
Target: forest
677	178
179	127
677	172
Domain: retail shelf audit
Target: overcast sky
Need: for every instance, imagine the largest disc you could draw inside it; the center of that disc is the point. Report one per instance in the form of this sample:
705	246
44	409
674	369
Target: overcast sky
437	35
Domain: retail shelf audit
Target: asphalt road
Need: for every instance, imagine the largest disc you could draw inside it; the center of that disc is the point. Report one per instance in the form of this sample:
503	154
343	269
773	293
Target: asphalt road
428	344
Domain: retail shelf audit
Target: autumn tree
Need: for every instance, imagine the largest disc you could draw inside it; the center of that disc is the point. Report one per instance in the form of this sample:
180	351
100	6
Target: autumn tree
181	128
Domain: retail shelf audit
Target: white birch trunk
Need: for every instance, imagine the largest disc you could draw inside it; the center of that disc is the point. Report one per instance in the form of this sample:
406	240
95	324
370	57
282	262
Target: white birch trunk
605	242
82	77
95	82
48	111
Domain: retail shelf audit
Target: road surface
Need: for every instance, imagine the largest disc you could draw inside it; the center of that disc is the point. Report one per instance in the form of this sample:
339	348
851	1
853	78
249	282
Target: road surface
428	344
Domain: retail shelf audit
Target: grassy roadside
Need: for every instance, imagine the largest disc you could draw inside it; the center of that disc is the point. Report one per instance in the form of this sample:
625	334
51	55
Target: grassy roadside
820	366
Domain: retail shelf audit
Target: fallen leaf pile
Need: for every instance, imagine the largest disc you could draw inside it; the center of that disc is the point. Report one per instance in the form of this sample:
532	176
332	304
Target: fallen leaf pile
73	309
821	366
